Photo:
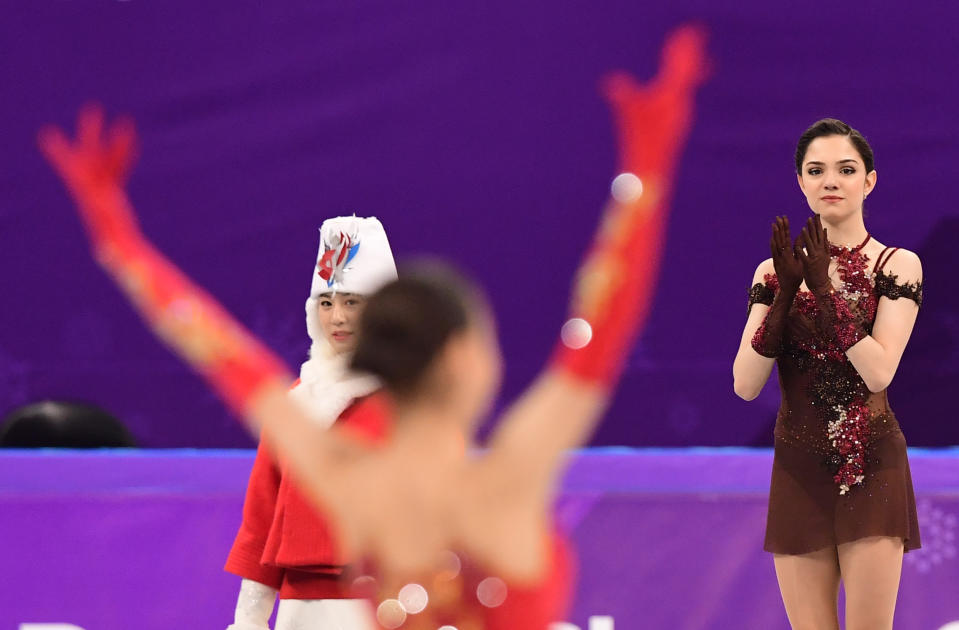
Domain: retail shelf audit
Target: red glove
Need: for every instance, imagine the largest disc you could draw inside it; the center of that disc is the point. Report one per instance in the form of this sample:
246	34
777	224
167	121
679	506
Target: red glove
94	168
615	283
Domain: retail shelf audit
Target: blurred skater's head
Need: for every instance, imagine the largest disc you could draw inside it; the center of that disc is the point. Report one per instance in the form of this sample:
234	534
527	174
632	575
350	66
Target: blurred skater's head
430	337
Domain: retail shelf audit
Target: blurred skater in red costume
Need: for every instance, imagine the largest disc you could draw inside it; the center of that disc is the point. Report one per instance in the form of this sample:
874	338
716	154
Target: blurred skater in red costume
417	502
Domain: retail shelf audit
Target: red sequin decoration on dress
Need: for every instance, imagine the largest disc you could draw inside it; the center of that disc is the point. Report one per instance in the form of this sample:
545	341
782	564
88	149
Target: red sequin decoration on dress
836	391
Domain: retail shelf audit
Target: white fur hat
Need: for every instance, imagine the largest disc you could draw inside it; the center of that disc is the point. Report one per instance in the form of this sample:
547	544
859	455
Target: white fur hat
354	257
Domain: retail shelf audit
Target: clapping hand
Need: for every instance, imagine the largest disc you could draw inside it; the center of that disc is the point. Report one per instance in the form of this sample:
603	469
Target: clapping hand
815	257
789	269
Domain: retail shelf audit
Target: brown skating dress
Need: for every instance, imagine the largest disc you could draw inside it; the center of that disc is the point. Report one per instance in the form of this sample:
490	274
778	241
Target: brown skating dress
840	471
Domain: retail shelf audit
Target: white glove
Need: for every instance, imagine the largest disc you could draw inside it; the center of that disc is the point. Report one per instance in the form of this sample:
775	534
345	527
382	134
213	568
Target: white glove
254	606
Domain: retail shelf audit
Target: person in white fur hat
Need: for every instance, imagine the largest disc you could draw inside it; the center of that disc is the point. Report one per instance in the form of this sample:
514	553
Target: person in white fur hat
283	546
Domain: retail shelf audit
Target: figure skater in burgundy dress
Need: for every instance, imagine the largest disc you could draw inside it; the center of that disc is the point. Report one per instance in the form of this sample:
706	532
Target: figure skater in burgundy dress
834	311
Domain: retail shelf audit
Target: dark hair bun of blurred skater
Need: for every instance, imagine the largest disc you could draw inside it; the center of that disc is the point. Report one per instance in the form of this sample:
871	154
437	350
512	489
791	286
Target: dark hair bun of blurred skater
407	322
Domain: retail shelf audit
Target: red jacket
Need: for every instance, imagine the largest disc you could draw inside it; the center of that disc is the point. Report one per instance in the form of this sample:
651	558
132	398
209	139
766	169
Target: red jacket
283	541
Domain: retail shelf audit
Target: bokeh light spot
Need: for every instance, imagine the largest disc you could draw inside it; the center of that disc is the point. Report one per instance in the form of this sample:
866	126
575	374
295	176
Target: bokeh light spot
576	333
414	598
391	614
491	592
626	188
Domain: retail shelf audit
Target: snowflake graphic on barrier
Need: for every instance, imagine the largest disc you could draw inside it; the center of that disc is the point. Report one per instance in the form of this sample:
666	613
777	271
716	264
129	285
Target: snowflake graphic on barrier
938	526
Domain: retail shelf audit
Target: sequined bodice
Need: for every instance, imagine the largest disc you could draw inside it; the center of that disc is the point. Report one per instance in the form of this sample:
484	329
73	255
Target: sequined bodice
826	407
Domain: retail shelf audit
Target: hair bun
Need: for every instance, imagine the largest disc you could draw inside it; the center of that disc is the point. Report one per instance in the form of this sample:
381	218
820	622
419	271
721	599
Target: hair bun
406	323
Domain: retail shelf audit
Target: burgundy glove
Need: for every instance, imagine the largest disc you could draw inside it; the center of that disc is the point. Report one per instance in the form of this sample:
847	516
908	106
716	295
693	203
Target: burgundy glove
834	321
768	340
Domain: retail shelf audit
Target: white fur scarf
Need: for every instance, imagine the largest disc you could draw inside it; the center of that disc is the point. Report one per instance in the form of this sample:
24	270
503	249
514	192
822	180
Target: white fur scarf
327	387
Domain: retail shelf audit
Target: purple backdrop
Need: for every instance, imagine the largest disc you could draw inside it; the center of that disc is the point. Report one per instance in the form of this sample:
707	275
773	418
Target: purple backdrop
121	540
475	131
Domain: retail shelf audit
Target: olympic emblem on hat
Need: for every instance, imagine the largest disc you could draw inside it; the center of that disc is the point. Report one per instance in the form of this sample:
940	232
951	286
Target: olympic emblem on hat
334	260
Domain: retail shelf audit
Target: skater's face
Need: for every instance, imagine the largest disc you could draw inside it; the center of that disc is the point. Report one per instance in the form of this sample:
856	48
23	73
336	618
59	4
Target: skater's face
834	178
339	317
